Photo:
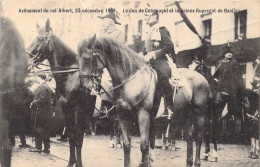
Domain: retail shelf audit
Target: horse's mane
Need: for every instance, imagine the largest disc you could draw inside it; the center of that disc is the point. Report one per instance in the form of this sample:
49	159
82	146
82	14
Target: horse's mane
13	59
118	53
68	55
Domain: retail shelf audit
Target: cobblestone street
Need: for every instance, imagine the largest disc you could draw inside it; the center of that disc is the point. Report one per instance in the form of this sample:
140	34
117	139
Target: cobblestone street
95	153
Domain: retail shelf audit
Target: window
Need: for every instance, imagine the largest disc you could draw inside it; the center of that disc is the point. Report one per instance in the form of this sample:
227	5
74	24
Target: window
140	27
240	24
126	32
207	28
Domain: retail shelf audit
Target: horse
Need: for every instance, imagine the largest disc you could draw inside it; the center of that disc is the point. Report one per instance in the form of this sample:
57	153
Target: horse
13	69
212	115
77	106
135	93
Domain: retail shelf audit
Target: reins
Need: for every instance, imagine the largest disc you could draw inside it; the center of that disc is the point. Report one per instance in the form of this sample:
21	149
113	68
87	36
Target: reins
122	84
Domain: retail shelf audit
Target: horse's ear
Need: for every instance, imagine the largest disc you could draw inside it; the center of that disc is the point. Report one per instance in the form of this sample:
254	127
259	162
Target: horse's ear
93	39
37	26
48	28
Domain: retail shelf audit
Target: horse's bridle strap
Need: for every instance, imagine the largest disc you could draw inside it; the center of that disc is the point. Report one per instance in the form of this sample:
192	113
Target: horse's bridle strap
123	83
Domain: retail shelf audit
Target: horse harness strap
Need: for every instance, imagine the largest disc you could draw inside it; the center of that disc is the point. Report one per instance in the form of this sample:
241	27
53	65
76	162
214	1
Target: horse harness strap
120	85
123	83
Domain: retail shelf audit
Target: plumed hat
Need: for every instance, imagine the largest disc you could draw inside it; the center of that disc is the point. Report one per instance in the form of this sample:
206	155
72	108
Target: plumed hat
112	14
227	49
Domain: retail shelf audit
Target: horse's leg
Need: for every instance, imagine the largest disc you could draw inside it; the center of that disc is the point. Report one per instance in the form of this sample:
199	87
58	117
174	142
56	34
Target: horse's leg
152	133
72	159
111	131
214	154
189	140
126	138
79	143
118	134
144	123
199	126
70	123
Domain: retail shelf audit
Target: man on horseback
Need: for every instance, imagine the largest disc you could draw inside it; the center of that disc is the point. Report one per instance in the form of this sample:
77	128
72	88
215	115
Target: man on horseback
229	78
157	45
109	30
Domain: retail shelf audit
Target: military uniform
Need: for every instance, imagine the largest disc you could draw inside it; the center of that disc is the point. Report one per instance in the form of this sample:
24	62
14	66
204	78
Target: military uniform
42	116
159	43
231	85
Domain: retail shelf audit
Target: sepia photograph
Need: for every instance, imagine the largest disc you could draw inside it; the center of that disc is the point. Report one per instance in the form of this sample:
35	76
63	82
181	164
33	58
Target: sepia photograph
127	83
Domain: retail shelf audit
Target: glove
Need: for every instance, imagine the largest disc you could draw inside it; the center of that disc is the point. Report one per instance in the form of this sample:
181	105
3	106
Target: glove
149	56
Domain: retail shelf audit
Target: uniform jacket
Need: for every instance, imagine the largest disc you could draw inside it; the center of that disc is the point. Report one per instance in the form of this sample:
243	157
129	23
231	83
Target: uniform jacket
42	111
113	34
229	77
159	41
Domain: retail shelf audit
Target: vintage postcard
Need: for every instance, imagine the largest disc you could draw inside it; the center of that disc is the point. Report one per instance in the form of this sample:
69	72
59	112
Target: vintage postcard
112	83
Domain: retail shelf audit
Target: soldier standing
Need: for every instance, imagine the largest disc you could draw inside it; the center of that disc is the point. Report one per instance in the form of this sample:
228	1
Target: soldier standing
42	116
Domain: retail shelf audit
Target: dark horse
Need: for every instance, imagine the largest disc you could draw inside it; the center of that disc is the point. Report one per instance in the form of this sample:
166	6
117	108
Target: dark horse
134	93
77	106
212	115
13	69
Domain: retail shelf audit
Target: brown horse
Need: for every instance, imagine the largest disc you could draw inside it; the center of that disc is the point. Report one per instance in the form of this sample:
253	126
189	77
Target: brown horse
135	93
212	122
13	70
76	105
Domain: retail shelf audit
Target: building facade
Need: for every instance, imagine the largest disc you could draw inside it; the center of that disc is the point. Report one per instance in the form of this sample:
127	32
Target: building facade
236	22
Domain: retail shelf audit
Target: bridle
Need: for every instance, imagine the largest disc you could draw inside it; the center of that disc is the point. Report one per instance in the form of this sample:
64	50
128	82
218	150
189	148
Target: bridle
96	77
40	50
40	53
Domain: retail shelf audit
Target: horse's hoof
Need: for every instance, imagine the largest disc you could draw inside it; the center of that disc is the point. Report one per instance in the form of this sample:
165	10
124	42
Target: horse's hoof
79	165
197	165
172	148
205	156
143	164
111	144
118	145
213	157
93	133
164	147
70	165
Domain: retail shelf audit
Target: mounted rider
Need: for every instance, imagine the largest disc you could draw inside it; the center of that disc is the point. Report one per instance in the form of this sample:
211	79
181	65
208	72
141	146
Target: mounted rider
109	30
157	44
229	77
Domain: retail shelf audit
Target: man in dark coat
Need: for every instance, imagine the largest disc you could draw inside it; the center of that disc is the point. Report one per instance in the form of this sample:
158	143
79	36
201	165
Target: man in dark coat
21	116
231	85
42	116
157	45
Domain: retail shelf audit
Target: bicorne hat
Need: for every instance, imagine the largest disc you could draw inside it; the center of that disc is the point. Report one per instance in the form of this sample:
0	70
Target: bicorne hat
227	49
112	14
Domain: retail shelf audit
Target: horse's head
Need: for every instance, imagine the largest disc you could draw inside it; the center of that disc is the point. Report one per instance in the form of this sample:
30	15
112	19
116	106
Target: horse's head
91	63
41	46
